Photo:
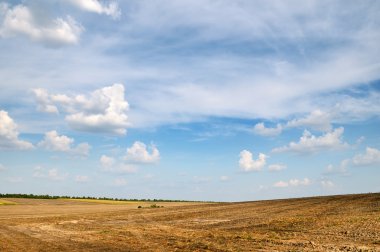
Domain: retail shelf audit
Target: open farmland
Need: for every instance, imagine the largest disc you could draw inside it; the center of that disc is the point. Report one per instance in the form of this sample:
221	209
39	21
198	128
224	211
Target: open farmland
333	223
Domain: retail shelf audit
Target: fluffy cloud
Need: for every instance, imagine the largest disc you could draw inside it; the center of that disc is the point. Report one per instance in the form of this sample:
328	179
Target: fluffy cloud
52	174
293	183
309	143
20	20
112	9
44	102
370	157
139	153
276	167
316	120
54	142
247	163
260	129
102	111
9	134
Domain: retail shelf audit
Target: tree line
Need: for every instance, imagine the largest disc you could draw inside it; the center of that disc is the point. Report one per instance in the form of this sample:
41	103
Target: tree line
46	196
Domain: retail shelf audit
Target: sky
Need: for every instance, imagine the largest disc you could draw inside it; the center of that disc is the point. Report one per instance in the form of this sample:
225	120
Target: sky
212	100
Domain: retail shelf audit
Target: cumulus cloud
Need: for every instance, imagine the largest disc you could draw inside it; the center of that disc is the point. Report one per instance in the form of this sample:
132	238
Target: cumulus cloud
9	134
260	129
44	101
309	143
52	174
276	167
61	143
20	20
247	163
293	183
370	157
316	120
138	153
112	9
102	111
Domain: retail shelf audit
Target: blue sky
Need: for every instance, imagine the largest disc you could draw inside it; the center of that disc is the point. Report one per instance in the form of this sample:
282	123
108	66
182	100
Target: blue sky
197	100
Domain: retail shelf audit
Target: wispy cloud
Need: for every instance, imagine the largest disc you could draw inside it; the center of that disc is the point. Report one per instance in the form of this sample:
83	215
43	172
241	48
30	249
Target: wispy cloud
112	9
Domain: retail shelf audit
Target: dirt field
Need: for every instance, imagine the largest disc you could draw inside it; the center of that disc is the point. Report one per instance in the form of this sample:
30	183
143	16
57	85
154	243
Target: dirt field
335	223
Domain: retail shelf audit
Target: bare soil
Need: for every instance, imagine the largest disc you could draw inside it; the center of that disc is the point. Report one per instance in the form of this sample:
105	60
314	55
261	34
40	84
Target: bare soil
333	223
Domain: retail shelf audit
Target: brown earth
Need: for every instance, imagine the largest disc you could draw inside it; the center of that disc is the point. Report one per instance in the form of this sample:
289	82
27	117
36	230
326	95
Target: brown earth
333	223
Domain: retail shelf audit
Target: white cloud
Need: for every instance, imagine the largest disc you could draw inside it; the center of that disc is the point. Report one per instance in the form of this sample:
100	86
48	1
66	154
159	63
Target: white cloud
9	134
327	184
52	174
281	184
309	143
296	182
370	157
81	178
20	20
54	142
139	153
112	9
317	120
341	169
109	164
103	111
44	103
260	129
276	167
247	163
120	182
2	168
293	183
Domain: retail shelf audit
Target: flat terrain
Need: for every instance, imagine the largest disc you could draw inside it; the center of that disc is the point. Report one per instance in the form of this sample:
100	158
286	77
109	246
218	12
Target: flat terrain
333	223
